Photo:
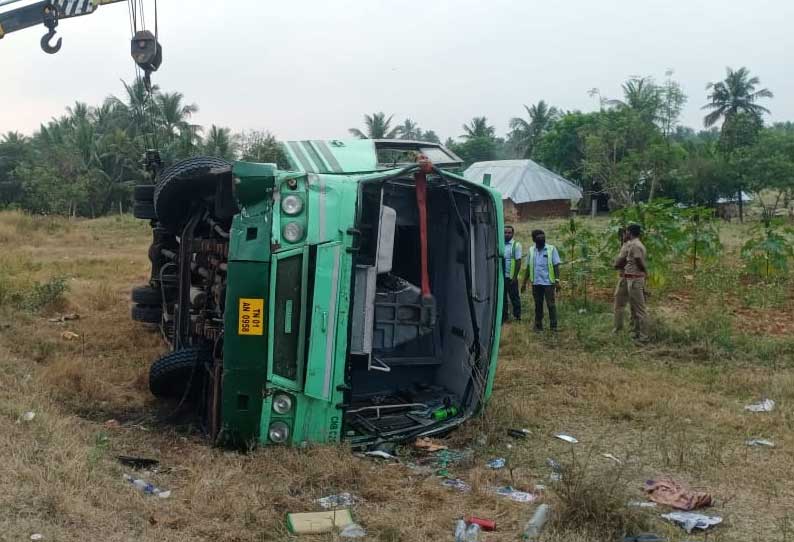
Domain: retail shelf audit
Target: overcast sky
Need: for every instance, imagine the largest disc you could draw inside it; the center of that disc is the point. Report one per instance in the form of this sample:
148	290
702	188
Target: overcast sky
311	69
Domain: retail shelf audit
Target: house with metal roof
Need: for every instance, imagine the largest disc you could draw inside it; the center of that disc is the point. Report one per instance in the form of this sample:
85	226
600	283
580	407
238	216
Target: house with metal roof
528	189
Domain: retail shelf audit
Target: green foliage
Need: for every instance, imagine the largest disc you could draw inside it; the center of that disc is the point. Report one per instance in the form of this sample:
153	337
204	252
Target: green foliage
769	249
378	126
660	222
700	236
580	250
33	296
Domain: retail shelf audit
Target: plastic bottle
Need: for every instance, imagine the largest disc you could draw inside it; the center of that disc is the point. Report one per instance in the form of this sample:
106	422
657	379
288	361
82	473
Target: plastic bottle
535	525
460	531
472	533
444	413
146	487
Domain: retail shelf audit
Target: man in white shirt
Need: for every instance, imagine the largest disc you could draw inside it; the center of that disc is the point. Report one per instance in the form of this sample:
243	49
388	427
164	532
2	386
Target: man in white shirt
543	271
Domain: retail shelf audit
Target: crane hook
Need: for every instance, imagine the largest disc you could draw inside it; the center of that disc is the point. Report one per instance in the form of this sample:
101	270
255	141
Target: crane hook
45	43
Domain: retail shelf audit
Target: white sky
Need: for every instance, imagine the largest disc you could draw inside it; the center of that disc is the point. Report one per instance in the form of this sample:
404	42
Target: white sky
311	69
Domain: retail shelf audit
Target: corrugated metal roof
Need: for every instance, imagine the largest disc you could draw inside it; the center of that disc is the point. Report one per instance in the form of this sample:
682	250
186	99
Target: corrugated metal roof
523	181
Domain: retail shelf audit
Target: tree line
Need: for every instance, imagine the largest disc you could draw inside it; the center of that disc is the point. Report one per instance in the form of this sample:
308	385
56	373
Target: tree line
631	149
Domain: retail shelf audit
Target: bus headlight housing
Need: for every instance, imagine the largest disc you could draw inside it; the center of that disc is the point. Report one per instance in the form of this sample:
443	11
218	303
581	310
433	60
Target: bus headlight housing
292	204
282	403
292	232
278	432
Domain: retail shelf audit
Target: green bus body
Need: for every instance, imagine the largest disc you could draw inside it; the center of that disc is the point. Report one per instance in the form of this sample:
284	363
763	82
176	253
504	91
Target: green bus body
289	304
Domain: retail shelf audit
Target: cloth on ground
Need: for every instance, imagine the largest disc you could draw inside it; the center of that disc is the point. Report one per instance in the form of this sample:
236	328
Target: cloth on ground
676	494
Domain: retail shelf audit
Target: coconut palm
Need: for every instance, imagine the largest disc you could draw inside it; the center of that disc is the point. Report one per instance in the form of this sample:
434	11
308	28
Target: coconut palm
378	127
527	132
409	130
173	113
640	94
478	127
735	94
220	142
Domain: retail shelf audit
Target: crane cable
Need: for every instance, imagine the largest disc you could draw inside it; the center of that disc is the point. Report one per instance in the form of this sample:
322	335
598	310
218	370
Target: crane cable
144	113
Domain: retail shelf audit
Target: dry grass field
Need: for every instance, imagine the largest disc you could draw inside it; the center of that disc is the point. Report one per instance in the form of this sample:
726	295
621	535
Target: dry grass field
672	407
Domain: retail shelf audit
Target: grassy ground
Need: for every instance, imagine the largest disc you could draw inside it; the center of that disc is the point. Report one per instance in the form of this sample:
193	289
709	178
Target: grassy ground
672	407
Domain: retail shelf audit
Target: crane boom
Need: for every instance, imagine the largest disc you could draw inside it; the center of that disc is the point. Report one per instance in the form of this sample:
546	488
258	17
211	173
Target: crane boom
48	13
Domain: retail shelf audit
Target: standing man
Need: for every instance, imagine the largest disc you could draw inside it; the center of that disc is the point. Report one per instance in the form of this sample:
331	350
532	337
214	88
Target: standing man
512	265
543	271
631	287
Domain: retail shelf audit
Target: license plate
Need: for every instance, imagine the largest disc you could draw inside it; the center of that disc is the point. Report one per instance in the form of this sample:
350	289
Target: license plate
251	319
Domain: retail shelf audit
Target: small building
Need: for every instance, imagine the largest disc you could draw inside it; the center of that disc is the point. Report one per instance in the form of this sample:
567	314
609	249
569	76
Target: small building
528	189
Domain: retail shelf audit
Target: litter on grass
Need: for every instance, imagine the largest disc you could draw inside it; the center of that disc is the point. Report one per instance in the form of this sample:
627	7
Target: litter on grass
147	488
27	417
342	500
767	405
642	504
496	463
690	521
761	442
456	483
566	438
613	458
429	445
354	530
673	493
69	335
318	522
514	494
380	454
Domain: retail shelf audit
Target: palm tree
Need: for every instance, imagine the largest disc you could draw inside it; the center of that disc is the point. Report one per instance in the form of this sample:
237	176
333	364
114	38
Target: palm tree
736	94
478	127
378	127
526	133
409	130
173	113
430	136
220	142
640	94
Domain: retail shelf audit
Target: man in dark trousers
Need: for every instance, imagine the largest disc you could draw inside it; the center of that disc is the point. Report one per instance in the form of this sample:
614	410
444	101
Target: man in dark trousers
543	271
512	266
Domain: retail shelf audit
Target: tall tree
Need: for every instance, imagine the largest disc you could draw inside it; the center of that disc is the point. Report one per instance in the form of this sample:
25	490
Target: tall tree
478	127
735	94
173	113
642	95
409	130
220	142
526	133
378	126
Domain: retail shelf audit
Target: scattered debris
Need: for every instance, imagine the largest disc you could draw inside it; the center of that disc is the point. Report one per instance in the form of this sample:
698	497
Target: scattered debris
64	318
760	442
582	311
341	500
566	438
26	417
69	335
496	463
676	494
381	454
767	405
535	525
112	424
137	462
147	488
613	458
460	531
644	537
37	536
641	504
485	524
691	521
519	433
456	483
318	522
354	530
556	470
429	445
515	495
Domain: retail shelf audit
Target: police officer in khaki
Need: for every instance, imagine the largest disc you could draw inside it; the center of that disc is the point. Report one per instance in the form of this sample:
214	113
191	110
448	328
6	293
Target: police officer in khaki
631	287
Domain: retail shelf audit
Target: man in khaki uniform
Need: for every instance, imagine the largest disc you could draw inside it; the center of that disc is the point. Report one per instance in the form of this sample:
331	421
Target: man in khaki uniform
631	287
